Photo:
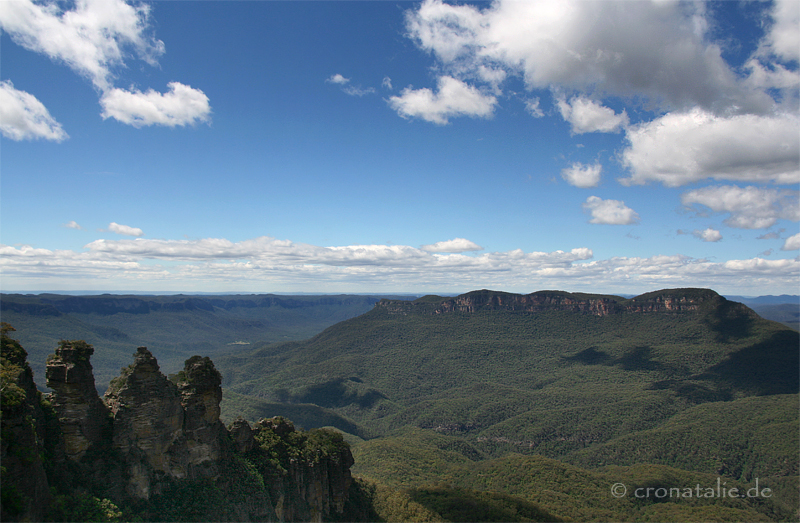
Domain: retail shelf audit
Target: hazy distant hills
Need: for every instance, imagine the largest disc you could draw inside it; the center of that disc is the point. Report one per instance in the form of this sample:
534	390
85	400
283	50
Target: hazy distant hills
173	327
784	308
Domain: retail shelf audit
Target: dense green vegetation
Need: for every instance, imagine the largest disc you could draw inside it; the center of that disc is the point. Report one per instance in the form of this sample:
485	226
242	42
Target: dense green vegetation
437	397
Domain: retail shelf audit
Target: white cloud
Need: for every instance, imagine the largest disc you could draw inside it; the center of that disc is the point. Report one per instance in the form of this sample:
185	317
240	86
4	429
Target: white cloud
453	98
73	225
266	264
91	39
387	83
95	38
654	49
708	235
749	207
337	79
532	106
352	90
181	105
792	243
783	36
581	175
681	148
610	212
23	117
588	116
454	245
125	229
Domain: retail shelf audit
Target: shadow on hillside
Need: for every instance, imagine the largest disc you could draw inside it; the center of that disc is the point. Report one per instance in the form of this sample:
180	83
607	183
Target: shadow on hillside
590	356
692	391
639	358
769	367
731	320
333	394
457	504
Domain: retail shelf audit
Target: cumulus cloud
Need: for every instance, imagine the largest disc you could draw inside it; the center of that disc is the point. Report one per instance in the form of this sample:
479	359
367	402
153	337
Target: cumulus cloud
23	117
387	83
73	225
337	79
588	116
267	263
454	245
125	229
681	148
792	243
453	98
91	39
180	106
609	212
581	175
95	38
659	50
708	235
783	38
749	207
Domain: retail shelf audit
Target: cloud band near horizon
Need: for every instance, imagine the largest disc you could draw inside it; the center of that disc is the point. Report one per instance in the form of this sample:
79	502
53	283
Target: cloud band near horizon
267	264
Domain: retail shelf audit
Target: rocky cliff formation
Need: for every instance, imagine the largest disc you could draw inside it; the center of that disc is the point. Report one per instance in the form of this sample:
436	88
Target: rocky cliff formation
25	419
666	301
154	447
310	480
81	414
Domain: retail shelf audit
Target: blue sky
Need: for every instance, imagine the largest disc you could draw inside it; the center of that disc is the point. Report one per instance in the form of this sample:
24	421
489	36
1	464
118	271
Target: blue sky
399	146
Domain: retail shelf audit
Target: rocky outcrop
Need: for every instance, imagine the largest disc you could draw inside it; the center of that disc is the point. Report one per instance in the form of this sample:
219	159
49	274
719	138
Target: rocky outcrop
164	429
147	423
669	301
201	393
242	435
82	415
25	419
313	480
152	434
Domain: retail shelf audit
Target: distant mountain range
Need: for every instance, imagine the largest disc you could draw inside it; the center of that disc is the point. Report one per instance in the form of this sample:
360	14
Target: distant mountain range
176	327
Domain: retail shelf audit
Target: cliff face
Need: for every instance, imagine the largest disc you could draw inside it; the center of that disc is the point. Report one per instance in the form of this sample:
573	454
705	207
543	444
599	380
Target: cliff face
152	437
310	481
25	419
668	301
147	423
82	416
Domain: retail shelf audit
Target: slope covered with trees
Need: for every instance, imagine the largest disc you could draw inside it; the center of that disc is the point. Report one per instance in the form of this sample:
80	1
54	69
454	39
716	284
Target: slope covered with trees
682	378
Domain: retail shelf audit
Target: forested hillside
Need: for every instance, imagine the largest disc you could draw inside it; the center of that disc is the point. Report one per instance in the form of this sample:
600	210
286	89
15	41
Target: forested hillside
431	388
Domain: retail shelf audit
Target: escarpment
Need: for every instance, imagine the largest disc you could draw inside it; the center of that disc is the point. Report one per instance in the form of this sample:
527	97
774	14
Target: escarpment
666	301
154	447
